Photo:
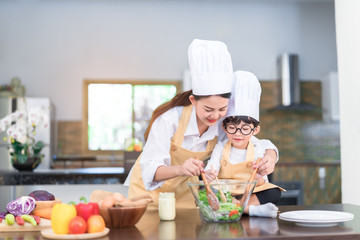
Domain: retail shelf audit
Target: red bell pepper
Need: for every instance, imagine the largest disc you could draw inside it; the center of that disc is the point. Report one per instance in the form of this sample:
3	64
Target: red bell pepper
85	210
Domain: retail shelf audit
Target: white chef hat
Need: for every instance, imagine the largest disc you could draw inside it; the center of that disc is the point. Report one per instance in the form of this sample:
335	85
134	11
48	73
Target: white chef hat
210	67
245	95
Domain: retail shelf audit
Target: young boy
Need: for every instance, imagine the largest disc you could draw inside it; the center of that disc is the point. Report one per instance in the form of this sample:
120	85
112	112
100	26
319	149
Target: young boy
232	158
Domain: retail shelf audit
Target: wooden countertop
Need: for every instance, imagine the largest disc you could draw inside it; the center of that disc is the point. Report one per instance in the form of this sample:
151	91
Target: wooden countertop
189	225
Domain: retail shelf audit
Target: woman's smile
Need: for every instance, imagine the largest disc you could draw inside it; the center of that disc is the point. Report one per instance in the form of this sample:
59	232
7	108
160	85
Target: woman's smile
211	120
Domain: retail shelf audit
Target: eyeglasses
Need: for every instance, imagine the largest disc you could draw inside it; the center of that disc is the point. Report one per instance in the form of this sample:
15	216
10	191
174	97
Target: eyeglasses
245	129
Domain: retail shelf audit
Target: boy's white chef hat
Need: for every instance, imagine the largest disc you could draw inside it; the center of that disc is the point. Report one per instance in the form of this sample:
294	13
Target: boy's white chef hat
210	67
245	95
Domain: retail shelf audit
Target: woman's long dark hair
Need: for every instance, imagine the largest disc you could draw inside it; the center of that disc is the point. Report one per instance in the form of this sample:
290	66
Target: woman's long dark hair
181	99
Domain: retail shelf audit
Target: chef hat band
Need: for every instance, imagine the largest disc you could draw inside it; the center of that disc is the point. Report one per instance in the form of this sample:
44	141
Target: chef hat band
210	67
245	95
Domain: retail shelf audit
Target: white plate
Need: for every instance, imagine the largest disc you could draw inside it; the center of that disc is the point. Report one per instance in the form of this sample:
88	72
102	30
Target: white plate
316	218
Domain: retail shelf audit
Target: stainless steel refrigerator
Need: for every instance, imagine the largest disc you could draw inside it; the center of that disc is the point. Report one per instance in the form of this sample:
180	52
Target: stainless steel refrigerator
9	105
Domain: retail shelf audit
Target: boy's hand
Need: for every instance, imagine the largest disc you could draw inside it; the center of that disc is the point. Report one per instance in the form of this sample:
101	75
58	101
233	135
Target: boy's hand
210	175
260	180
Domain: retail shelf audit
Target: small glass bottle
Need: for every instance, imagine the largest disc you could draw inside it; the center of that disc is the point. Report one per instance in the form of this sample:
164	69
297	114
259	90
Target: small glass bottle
167	208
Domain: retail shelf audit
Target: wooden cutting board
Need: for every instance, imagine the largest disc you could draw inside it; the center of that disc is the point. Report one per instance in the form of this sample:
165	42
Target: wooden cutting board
27	227
49	233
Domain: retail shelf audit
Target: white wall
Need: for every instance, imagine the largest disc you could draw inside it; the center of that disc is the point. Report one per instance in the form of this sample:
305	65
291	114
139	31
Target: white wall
53	45
348	39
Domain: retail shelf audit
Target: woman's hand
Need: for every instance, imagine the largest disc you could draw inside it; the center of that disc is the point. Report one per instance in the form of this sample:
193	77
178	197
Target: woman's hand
191	167
211	175
267	163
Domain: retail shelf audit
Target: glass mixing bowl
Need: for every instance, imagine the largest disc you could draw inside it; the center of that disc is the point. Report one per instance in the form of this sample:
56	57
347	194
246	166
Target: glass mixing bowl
237	195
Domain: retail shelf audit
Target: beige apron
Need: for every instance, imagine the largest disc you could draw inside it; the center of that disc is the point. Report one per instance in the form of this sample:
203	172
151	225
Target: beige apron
178	185
241	170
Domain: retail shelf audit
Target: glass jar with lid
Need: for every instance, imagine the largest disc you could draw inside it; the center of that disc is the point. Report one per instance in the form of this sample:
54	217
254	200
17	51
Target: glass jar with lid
167	209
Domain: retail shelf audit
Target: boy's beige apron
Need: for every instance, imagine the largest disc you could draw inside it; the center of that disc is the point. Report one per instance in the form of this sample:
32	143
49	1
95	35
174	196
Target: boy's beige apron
241	170
179	155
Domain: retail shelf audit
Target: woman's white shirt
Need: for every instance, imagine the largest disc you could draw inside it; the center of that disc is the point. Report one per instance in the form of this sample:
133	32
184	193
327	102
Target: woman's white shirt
156	151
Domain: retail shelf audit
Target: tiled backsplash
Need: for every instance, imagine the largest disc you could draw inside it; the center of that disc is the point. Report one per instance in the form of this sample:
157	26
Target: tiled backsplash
285	127
315	189
298	134
305	143
69	138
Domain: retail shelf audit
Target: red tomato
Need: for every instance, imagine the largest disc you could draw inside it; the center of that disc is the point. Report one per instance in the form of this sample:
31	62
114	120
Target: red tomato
77	225
233	212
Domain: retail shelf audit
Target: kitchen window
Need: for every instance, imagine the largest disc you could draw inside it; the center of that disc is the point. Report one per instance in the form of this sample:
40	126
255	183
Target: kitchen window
116	111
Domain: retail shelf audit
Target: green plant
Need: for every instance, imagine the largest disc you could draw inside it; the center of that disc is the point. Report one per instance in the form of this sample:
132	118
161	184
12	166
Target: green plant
20	127
21	151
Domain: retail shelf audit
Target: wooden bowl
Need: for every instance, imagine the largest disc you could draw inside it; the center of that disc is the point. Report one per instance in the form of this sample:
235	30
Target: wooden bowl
118	217
46	204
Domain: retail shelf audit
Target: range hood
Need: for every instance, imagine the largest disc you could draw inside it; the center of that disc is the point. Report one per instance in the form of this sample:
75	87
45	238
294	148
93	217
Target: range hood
290	85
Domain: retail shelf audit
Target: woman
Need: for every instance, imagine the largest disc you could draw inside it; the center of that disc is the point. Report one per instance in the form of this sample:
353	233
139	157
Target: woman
183	132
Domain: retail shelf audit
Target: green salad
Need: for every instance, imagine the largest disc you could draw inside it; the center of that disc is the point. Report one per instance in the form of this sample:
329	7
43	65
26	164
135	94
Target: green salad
227	211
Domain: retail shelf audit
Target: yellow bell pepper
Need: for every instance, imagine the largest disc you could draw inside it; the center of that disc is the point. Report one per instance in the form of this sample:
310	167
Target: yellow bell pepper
61	215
